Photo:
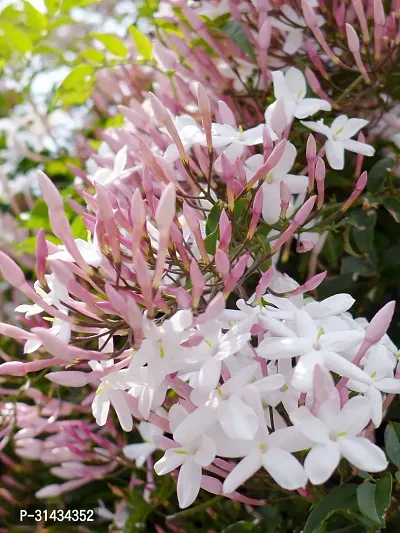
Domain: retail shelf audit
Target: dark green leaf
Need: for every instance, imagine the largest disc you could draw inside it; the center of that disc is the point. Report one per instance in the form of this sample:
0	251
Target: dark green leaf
239	207
240	527
397	474
392	443
392	204
211	241
357	265
342	497
213	219
363	232
235	30
378	174
373	499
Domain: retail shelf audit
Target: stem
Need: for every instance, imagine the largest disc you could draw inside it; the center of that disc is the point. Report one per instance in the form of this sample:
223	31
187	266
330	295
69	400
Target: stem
195	510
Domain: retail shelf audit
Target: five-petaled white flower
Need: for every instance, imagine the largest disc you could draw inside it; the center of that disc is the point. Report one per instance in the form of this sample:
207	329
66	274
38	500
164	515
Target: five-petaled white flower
339	135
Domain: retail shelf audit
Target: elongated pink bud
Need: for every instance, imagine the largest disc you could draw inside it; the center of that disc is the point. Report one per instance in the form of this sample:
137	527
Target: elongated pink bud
11	272
222	263
379	19
264	35
323	387
316	60
309	285
14	332
360	12
49	191
313	82
257	210
160	111
213	310
311	154
270	163
144	280
352	39
198	283
298	220
360	157
285	195
380	323
72	378
166	208
235	275
205	110
135	320
360	186
263	284
320	179
41	256
226	115
354	45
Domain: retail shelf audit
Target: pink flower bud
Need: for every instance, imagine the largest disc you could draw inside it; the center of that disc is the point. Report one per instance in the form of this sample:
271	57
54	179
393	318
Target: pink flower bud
263	284
41	255
309	285
235	275
167	58
359	9
352	38
285	195
198	283
270	163
14	332
320	179
160	111
359	187
71	378
49	191
379	13
380	323
213	310
166	208
226	116
257	210
304	211
144	280
264	36
222	263
11	272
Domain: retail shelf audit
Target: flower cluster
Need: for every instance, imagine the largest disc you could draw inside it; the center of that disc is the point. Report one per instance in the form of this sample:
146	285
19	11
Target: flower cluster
173	312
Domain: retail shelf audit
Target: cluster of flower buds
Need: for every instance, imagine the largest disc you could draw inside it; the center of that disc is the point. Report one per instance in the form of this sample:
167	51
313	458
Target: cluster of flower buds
188	205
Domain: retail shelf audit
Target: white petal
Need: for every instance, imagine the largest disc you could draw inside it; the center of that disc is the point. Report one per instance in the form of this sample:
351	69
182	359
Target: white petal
100	408
340	341
253	136
173	458
121	408
310	106
269	383
390	385
375	398
335	154
305	326
31	346
351	127
359	147
285	469
361	453
319	127
341	366
290	439
195	424
181	320
310	425
354	415
189	481
296	83
242	472
296	184
237	419
271	202
271	348
138	452
206	453
303	375
321	462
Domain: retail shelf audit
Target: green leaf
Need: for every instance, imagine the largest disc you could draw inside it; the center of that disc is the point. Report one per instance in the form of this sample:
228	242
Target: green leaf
16	38
397	474
113	44
94	56
35	19
392	443
342	497
78	228
363	232
239	207
357	265
373	499
235	30
241	527
39	217
211	241
392	204
76	86
52	6
213	219
378	174
143	43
